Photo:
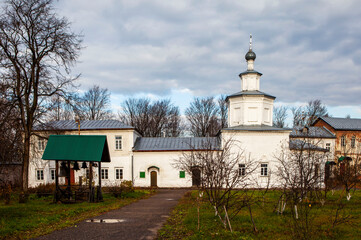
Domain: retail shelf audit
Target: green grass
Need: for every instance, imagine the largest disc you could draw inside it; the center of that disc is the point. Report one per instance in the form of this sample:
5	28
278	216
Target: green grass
41	216
183	223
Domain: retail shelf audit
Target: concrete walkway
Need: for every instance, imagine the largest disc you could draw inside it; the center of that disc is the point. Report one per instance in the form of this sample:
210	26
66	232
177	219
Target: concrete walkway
139	220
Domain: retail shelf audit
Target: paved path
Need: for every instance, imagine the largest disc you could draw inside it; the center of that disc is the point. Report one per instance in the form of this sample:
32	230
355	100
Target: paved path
139	220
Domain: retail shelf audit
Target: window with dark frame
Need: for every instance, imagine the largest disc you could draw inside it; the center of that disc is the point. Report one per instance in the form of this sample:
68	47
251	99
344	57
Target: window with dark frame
328	146
104	173
264	169
353	141
52	174
343	141
118	142
242	169
119	173
39	174
41	144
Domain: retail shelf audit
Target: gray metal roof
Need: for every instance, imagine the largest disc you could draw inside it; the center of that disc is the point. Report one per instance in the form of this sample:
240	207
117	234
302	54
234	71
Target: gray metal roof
176	143
255	128
250	93
84	125
297	144
343	123
312	132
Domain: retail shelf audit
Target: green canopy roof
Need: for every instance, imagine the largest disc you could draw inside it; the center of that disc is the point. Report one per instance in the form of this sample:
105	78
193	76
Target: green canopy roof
89	148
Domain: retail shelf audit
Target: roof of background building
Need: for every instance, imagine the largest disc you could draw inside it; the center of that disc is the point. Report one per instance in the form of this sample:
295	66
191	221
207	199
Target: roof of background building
342	123
296	144
84	125
312	132
176	143
255	128
250	93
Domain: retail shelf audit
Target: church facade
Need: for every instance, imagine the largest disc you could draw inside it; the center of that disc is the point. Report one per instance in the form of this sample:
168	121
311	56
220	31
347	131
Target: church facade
150	161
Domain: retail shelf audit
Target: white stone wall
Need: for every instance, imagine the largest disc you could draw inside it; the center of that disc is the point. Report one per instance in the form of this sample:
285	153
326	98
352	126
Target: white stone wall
250	110
167	175
260	147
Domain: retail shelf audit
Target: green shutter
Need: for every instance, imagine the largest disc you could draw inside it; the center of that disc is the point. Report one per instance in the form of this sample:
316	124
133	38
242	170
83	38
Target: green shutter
182	174
142	174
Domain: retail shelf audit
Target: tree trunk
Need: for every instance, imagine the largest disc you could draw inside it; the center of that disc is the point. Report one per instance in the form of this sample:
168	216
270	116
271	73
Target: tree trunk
25	168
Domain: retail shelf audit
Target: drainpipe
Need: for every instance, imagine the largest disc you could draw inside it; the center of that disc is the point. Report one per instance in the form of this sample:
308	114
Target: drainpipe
132	156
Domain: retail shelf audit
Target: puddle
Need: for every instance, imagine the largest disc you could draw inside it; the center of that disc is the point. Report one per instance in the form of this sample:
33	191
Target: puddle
105	220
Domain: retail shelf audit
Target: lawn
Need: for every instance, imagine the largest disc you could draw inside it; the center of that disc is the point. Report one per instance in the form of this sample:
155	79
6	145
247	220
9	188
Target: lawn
40	216
183	223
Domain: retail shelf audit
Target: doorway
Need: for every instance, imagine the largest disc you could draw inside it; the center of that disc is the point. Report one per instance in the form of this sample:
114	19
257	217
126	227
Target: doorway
153	179
196	177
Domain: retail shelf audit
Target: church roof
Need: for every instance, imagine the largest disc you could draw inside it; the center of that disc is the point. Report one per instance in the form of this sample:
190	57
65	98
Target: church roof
150	144
69	125
297	144
250	93
311	132
255	128
250	71
352	124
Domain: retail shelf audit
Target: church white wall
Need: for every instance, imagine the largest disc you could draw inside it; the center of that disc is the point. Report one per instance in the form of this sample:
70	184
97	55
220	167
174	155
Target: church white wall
167	175
250	110
262	147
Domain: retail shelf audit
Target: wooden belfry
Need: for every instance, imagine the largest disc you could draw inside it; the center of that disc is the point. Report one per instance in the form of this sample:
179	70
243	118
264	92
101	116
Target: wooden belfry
89	150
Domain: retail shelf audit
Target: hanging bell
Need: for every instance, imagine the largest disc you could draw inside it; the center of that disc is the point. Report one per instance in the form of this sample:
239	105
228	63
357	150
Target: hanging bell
76	166
63	170
84	165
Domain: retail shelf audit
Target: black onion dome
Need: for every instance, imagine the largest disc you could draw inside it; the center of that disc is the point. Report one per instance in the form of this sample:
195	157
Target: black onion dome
250	55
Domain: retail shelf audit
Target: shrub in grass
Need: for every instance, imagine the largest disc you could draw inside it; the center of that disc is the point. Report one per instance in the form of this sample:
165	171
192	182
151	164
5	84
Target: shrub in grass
43	190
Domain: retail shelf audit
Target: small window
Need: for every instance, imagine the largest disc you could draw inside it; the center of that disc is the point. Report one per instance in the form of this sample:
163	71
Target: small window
52	174
119	173
87	174
40	175
104	173
328	146
242	169
264	169
41	144
343	141
142	174
353	141
182	174
118	142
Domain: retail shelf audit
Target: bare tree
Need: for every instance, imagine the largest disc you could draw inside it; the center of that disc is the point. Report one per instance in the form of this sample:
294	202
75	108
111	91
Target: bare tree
280	116
156	119
202	115
94	104
347	172
37	49
220	175
300	172
223	111
306	115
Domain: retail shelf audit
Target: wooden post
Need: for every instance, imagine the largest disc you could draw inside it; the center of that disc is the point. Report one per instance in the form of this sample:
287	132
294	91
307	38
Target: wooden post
91	193
69	183
56	196
99	190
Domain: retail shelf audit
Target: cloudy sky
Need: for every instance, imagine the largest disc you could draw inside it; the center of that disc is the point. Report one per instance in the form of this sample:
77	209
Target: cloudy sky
306	50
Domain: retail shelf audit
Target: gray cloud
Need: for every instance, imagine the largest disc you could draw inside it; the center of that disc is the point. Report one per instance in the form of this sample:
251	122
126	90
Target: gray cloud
306	49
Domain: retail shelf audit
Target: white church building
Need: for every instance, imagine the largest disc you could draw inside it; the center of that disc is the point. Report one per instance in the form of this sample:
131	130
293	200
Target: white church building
150	161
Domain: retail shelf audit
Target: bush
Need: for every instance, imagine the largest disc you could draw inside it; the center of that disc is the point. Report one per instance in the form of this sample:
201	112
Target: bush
117	191
5	193
43	190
